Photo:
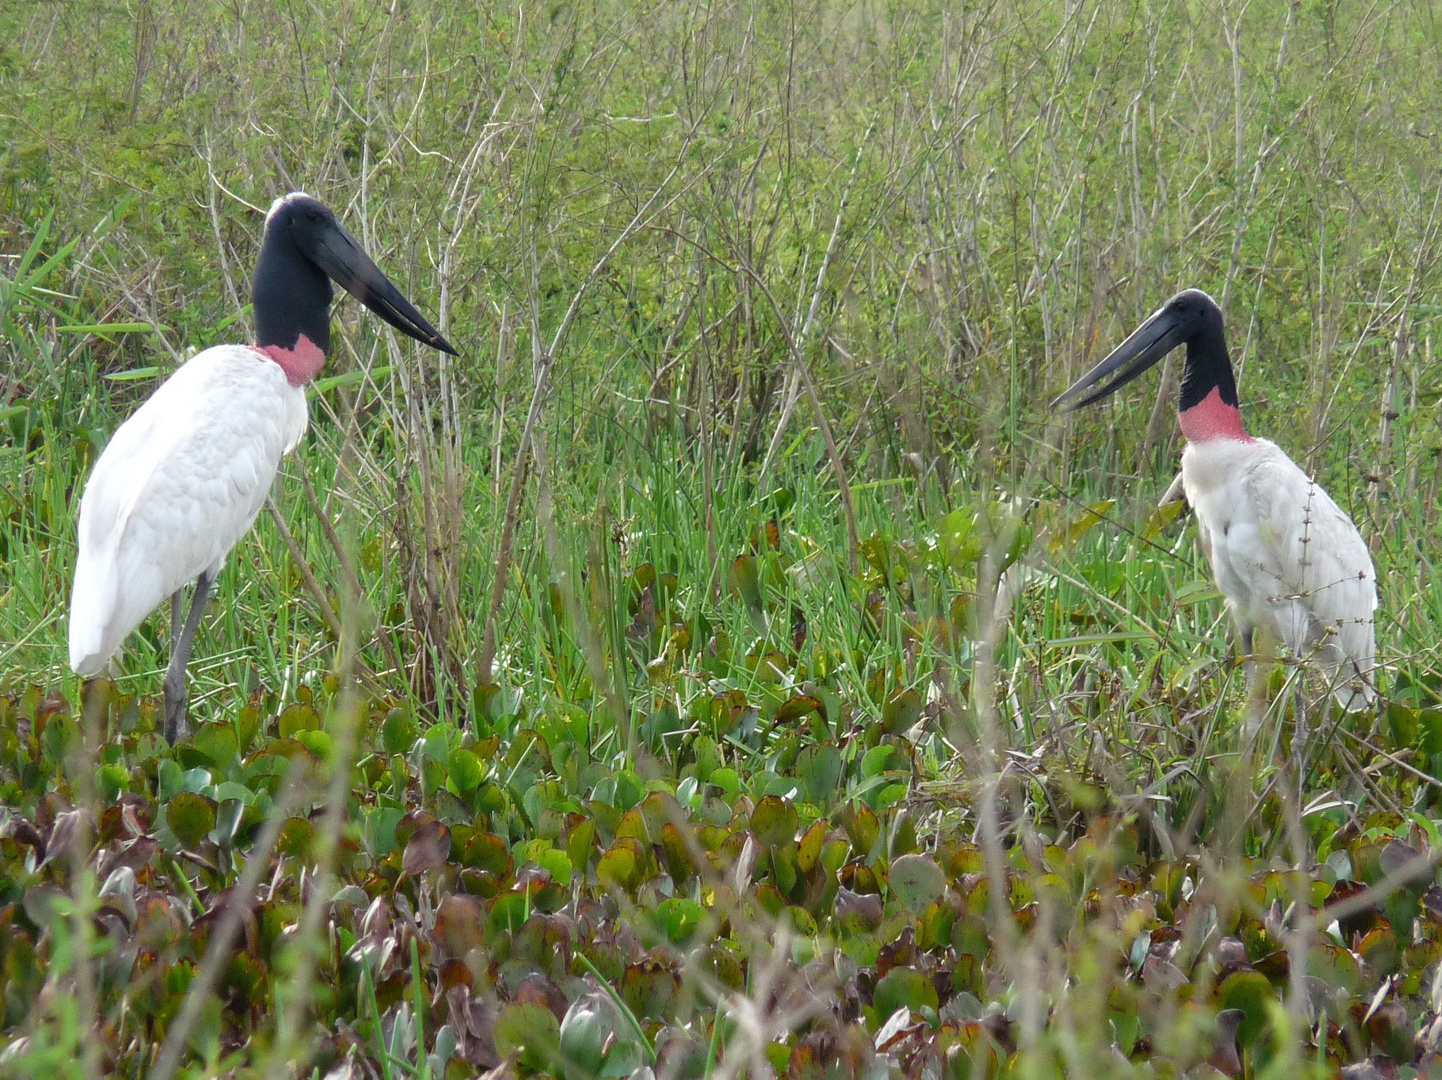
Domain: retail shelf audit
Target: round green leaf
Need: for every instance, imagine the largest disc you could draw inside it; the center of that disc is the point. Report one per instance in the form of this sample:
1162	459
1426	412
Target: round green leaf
531	1031
190	817
465	770
916	881
904	987
774	821
819	768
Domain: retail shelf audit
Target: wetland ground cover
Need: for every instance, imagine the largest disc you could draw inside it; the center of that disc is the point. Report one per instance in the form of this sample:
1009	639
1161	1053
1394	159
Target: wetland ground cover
726	666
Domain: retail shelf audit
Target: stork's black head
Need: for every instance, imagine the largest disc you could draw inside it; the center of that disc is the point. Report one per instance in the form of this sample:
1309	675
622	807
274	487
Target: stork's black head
305	248
1191	318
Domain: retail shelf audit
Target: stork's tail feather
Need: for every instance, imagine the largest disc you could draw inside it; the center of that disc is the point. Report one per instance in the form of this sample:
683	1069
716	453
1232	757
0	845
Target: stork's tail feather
92	606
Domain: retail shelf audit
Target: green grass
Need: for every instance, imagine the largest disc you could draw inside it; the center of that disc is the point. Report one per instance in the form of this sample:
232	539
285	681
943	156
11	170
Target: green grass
700	715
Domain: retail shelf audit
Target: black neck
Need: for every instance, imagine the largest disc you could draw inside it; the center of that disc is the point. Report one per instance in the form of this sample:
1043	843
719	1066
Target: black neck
1208	368
291	294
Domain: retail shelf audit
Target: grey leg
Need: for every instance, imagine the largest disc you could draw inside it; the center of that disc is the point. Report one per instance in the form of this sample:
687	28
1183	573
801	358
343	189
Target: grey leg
1250	664
180	644
1299	742
1254	684
177	616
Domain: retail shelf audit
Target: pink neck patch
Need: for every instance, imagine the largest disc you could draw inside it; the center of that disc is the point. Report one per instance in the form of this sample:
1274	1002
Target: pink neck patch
1212	418
300	364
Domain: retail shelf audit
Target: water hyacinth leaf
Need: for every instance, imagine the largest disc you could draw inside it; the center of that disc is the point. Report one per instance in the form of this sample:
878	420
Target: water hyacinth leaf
110	780
819	768
295	837
796	707
297	718
680	918
916	881
1378	947
862	826
957	539
190	817
579	841
531	1032
317	742
380	829
217	744
620	865
465	770
1093	516
398	733
745	581
508	913
459	926
679	859
428	848
904	987
588	1024
558	865
1250	992
774	821
901	712
808	854
649	988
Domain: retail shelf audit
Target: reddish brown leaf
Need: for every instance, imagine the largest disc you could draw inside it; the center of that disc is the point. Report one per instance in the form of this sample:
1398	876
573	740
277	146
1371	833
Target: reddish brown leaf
428	848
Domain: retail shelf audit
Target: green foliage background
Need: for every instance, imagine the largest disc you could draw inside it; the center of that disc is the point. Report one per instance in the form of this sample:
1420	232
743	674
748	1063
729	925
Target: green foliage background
945	212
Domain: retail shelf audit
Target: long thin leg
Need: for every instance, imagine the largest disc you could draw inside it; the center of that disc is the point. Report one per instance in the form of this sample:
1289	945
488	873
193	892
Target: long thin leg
180	644
1256	695
177	615
1299	741
1249	662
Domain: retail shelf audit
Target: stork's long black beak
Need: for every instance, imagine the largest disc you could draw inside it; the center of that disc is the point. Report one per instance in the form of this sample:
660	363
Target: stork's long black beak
1148	343
340	255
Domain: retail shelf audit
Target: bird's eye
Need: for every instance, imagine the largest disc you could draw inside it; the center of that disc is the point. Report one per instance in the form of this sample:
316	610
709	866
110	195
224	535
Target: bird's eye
314	215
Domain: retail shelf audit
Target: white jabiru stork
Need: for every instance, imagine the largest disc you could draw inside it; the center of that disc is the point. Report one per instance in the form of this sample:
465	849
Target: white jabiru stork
184	477
1285	556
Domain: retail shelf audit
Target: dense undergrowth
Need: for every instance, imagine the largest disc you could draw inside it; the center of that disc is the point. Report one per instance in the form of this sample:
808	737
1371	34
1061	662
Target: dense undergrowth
726	666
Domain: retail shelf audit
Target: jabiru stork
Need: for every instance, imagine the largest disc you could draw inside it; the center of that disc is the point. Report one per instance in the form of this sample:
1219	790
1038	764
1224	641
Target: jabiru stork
184	477
1285	556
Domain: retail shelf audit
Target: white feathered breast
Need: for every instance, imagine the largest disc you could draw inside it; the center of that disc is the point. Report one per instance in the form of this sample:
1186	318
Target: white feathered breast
178	484
1286	557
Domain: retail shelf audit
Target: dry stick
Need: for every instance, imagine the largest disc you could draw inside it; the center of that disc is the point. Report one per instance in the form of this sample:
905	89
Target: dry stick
217	952
545	363
502	341
1295	941
1391	759
230	288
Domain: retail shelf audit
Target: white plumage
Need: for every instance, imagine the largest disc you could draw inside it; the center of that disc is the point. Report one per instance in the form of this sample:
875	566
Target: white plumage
1284	554
1287	558
184	477
178	484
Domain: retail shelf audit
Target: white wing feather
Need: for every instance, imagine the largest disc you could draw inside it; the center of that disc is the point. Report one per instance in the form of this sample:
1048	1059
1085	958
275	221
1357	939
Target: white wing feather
179	483
1287	557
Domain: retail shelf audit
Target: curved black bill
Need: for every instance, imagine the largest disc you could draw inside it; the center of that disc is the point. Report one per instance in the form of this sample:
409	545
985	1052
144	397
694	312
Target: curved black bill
340	255
1147	344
